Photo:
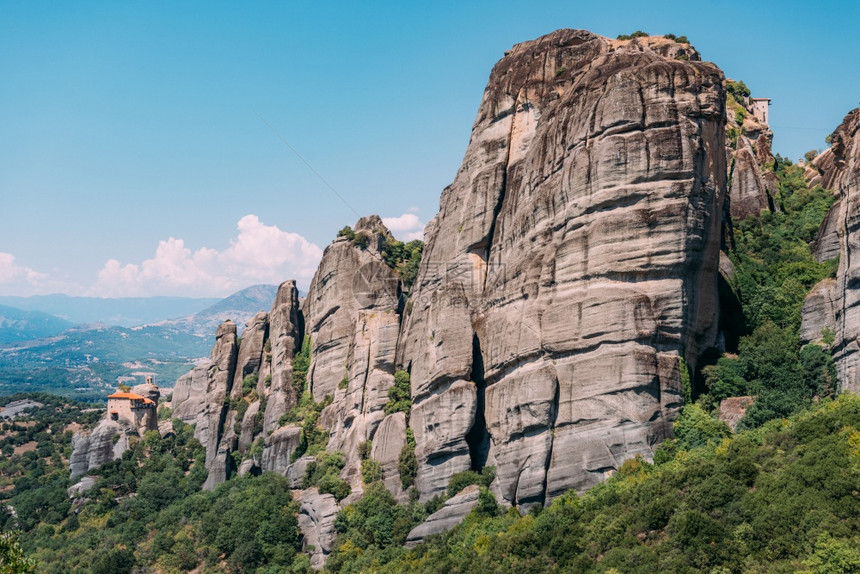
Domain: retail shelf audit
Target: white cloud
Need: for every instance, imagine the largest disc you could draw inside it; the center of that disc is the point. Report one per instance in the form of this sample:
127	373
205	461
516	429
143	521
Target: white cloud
18	279
259	254
405	227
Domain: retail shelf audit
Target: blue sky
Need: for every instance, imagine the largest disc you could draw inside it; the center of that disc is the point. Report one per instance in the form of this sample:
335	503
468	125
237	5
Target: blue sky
133	160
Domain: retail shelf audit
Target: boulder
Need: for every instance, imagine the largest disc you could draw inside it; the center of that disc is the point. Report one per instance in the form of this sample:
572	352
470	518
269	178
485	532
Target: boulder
451	514
279	447
316	522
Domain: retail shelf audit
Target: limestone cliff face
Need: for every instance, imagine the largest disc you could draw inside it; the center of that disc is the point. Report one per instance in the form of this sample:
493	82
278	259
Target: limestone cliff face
837	305
352	319
572	263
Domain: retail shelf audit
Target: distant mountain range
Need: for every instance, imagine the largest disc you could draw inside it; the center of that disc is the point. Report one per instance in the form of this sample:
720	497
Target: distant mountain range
123	311
44	352
23	325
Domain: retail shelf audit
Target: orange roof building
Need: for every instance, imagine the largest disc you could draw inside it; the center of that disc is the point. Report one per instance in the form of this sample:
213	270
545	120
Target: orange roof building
133	408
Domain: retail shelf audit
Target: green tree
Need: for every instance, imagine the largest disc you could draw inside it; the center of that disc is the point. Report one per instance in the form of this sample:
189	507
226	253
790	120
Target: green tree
12	558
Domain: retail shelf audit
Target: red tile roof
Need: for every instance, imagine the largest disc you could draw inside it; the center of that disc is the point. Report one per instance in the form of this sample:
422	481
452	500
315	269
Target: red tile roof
125	396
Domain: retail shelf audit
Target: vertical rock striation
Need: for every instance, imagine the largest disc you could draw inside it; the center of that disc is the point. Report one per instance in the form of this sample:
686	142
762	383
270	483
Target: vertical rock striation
203	396
572	263
837	305
286	331
353	322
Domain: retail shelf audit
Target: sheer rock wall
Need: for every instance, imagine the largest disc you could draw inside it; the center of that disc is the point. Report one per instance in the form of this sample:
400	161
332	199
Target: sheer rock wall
572	263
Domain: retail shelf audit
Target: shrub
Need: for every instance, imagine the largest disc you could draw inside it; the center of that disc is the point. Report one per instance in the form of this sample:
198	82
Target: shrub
696	428
364	448
301	364
249	383
461	480
346	232
407	464
487	505
737	89
400	395
371	471
361	240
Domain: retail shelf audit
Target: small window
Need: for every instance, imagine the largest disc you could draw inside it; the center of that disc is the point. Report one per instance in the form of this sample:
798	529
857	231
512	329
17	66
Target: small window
114	416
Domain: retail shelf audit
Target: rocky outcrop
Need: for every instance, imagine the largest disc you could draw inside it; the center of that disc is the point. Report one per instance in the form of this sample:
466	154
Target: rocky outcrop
286	331
316	523
733	409
353	322
753	186
250	355
572	263
826	244
227	415
451	514
840	302
296	471
388	441
201	397
80	488
165	429
279	447
90	450
148	390
819	312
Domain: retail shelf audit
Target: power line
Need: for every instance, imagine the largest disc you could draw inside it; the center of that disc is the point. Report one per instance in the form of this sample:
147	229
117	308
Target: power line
309	166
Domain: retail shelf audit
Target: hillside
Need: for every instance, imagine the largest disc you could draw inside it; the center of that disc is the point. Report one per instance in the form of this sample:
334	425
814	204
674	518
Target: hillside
85	361
20	325
782	498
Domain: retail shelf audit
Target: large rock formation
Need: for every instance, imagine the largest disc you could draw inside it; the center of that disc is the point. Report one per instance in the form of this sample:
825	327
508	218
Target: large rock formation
90	450
837	305
753	183
204	395
352	319
201	398
572	263
286	331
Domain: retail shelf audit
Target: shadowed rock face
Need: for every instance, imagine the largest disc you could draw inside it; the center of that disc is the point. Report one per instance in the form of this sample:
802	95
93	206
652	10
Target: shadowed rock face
837	306
572	262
